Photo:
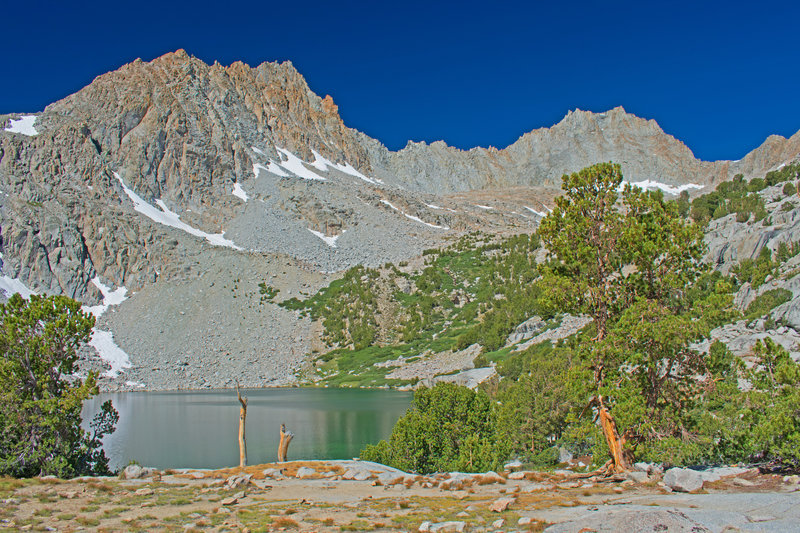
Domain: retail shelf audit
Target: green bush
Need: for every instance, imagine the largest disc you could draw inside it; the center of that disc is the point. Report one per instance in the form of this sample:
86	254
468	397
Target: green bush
448	428
756	271
766	302
789	189
761	424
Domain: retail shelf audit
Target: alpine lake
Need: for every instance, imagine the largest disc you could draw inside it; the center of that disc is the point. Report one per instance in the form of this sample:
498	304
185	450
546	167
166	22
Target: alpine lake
199	429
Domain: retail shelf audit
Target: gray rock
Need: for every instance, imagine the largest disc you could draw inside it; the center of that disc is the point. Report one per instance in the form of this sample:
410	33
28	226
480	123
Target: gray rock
135	471
683	479
527	329
501	504
305	472
564	455
640	520
389	478
357	474
233	500
638	476
452	526
236	481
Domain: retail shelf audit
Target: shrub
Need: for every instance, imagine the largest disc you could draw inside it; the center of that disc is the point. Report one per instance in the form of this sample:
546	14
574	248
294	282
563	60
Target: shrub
448	428
766	302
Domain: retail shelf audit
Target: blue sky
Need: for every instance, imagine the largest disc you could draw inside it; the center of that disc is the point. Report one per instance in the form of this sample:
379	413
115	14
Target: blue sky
720	76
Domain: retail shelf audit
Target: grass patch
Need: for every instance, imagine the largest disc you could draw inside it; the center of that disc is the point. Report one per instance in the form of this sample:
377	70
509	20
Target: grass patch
88	521
284	522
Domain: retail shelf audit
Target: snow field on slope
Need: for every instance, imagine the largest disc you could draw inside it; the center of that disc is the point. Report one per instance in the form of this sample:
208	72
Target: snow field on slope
412	217
103	341
168	218
330	241
669	189
23	125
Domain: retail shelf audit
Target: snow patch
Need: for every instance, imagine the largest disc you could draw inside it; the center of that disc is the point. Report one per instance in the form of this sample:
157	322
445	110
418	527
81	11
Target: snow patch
110	298
296	166
535	212
12	286
669	189
412	217
273	168
168	218
415	219
433	206
320	162
23	125
103	342
239	192
329	240
484	207
323	164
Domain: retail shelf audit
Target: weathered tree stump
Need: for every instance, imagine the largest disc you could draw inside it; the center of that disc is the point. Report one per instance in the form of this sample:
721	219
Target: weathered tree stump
242	417
283	446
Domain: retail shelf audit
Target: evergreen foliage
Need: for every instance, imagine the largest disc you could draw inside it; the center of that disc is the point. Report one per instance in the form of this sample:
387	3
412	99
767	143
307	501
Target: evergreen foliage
448	428
40	397
766	302
758	424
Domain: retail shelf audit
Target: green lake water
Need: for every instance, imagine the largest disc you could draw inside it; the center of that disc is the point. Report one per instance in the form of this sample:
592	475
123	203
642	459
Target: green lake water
199	429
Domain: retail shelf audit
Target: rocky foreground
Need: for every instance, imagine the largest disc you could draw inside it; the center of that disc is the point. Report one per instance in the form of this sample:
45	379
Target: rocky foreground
362	496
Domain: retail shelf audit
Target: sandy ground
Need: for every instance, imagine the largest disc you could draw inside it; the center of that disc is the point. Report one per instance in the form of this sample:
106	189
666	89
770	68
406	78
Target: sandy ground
272	498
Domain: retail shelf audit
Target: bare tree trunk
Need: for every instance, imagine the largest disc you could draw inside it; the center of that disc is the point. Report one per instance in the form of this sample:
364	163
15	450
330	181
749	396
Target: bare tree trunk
283	447
242	417
615	442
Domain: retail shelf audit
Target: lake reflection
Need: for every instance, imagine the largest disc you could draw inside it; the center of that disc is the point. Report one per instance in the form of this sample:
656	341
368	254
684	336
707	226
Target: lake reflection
199	429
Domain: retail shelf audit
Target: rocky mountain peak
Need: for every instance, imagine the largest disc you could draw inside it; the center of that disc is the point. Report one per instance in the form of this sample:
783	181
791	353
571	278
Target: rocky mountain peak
173	176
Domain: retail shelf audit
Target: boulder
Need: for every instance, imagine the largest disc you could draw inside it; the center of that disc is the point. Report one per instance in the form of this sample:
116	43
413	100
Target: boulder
234	482
501	504
452	526
233	500
564	455
527	329
135	471
305	472
683	479
638	476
